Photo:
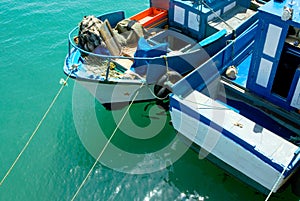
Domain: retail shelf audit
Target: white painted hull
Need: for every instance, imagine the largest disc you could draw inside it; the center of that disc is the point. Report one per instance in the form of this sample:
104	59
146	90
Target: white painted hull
248	153
110	93
226	150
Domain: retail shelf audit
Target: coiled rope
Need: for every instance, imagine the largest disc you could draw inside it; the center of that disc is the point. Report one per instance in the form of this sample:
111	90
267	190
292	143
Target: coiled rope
63	83
107	143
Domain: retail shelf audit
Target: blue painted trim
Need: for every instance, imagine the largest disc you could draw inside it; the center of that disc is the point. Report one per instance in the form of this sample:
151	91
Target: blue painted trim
183	108
270	14
214	67
216	36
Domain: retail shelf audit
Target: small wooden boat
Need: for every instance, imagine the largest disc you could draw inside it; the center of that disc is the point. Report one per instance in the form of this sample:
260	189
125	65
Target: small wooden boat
241	108
115	56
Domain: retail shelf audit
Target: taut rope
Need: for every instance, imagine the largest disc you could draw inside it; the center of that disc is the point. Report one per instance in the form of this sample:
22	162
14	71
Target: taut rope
63	83
107	143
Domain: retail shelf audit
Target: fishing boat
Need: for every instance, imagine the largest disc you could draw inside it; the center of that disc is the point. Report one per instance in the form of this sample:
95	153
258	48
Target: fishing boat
115	57
241	108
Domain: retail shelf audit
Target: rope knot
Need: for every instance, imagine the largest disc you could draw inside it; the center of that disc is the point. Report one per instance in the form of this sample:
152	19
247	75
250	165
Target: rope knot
63	82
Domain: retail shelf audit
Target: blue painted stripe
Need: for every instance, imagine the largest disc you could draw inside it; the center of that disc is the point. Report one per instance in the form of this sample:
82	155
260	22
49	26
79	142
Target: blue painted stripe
216	36
183	108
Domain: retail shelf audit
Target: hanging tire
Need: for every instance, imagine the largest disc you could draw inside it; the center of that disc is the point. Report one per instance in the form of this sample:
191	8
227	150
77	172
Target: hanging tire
162	89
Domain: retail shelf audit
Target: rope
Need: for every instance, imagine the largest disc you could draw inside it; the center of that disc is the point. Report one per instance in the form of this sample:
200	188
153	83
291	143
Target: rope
167	66
217	15
167	73
296	153
155	96
233	30
209	107
63	83
105	146
276	183
205	106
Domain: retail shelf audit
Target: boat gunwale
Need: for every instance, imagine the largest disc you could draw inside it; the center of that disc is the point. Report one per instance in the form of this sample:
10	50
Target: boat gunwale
74	45
73	75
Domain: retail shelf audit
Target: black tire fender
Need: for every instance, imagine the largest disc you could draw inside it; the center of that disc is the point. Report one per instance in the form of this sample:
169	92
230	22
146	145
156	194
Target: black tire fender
162	88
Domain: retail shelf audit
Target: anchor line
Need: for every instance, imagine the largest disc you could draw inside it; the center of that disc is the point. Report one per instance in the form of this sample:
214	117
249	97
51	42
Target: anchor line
167	66
167	73
217	15
63	83
107	143
297	152
224	21
276	183
205	106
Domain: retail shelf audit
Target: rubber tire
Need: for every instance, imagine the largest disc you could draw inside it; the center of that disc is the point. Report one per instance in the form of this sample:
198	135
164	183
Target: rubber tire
160	89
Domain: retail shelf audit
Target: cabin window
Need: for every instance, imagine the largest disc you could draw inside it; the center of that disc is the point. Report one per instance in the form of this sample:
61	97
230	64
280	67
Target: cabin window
264	72
194	21
272	40
179	15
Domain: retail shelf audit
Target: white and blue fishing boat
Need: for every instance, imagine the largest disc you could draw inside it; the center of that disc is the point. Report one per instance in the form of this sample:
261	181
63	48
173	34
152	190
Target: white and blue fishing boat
115	56
241	108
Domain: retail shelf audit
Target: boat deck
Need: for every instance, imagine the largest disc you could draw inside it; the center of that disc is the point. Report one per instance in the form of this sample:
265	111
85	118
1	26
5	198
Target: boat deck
235	18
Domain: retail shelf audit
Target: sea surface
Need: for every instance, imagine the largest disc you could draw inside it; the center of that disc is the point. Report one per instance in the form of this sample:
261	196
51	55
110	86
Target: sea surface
33	39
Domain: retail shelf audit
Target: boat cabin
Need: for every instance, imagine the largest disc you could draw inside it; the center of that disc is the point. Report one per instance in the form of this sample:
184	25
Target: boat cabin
275	69
199	19
208	24
266	57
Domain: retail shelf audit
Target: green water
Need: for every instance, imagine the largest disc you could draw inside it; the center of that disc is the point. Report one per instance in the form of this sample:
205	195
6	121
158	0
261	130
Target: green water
33	43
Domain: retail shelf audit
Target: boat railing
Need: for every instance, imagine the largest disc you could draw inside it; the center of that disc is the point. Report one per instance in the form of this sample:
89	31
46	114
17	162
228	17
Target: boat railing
205	73
108	58
189	59
72	44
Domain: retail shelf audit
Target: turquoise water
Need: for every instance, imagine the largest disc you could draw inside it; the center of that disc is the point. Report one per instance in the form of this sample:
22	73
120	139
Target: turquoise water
33	43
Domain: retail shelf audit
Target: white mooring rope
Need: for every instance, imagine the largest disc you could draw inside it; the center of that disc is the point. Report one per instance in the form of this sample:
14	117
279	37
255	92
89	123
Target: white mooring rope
105	146
276	183
63	83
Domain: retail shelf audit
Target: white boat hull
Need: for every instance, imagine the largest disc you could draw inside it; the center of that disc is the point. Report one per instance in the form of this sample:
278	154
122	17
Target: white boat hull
226	150
111	93
250	156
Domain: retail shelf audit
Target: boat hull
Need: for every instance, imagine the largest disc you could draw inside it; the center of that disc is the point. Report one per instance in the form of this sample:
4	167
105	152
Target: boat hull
252	153
113	94
227	154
